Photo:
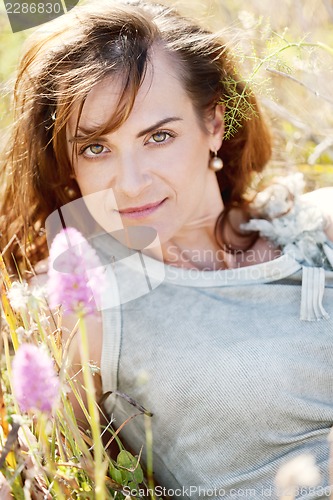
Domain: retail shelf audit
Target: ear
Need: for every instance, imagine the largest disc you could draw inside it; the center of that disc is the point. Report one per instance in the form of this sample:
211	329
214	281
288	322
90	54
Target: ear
215	126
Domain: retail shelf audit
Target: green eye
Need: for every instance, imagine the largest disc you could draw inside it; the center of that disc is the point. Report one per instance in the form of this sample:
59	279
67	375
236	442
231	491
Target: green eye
96	149
160	136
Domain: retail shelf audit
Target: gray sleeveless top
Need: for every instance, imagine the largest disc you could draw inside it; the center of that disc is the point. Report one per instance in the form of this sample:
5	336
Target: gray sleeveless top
237	375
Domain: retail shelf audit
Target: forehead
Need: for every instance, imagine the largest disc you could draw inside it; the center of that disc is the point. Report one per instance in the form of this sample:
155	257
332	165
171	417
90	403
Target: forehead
161	93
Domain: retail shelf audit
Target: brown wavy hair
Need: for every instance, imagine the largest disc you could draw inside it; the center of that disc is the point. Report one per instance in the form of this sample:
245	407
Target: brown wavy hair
65	59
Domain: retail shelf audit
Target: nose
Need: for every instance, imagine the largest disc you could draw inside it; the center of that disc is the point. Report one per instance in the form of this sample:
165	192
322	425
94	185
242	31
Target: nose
133	177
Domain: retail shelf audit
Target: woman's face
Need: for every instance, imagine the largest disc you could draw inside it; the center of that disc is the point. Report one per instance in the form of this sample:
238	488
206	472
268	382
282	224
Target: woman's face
153	170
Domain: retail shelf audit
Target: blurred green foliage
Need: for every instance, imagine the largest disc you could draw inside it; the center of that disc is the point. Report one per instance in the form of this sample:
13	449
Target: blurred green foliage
285	49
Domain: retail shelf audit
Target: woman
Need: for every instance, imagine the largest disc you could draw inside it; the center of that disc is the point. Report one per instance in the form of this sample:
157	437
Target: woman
141	114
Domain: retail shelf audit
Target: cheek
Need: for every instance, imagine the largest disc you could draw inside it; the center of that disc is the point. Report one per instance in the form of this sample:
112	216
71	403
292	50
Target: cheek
91	179
83	183
191	155
193	161
189	180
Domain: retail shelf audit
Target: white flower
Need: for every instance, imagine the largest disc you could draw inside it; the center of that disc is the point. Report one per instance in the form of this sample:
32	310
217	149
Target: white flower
299	471
39	296
21	297
293	224
18	295
23	334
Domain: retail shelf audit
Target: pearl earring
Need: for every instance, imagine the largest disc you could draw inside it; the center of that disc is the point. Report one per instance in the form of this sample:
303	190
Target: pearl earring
70	192
215	163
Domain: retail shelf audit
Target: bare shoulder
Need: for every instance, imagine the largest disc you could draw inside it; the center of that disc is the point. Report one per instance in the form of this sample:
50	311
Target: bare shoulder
323	198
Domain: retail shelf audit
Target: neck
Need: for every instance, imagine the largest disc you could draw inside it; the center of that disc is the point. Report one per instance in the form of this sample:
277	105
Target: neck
203	254
194	246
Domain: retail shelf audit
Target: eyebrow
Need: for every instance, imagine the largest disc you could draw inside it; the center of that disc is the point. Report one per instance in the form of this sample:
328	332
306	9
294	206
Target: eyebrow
160	123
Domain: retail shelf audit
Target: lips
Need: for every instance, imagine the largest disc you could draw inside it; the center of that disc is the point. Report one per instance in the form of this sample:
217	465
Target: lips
141	211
